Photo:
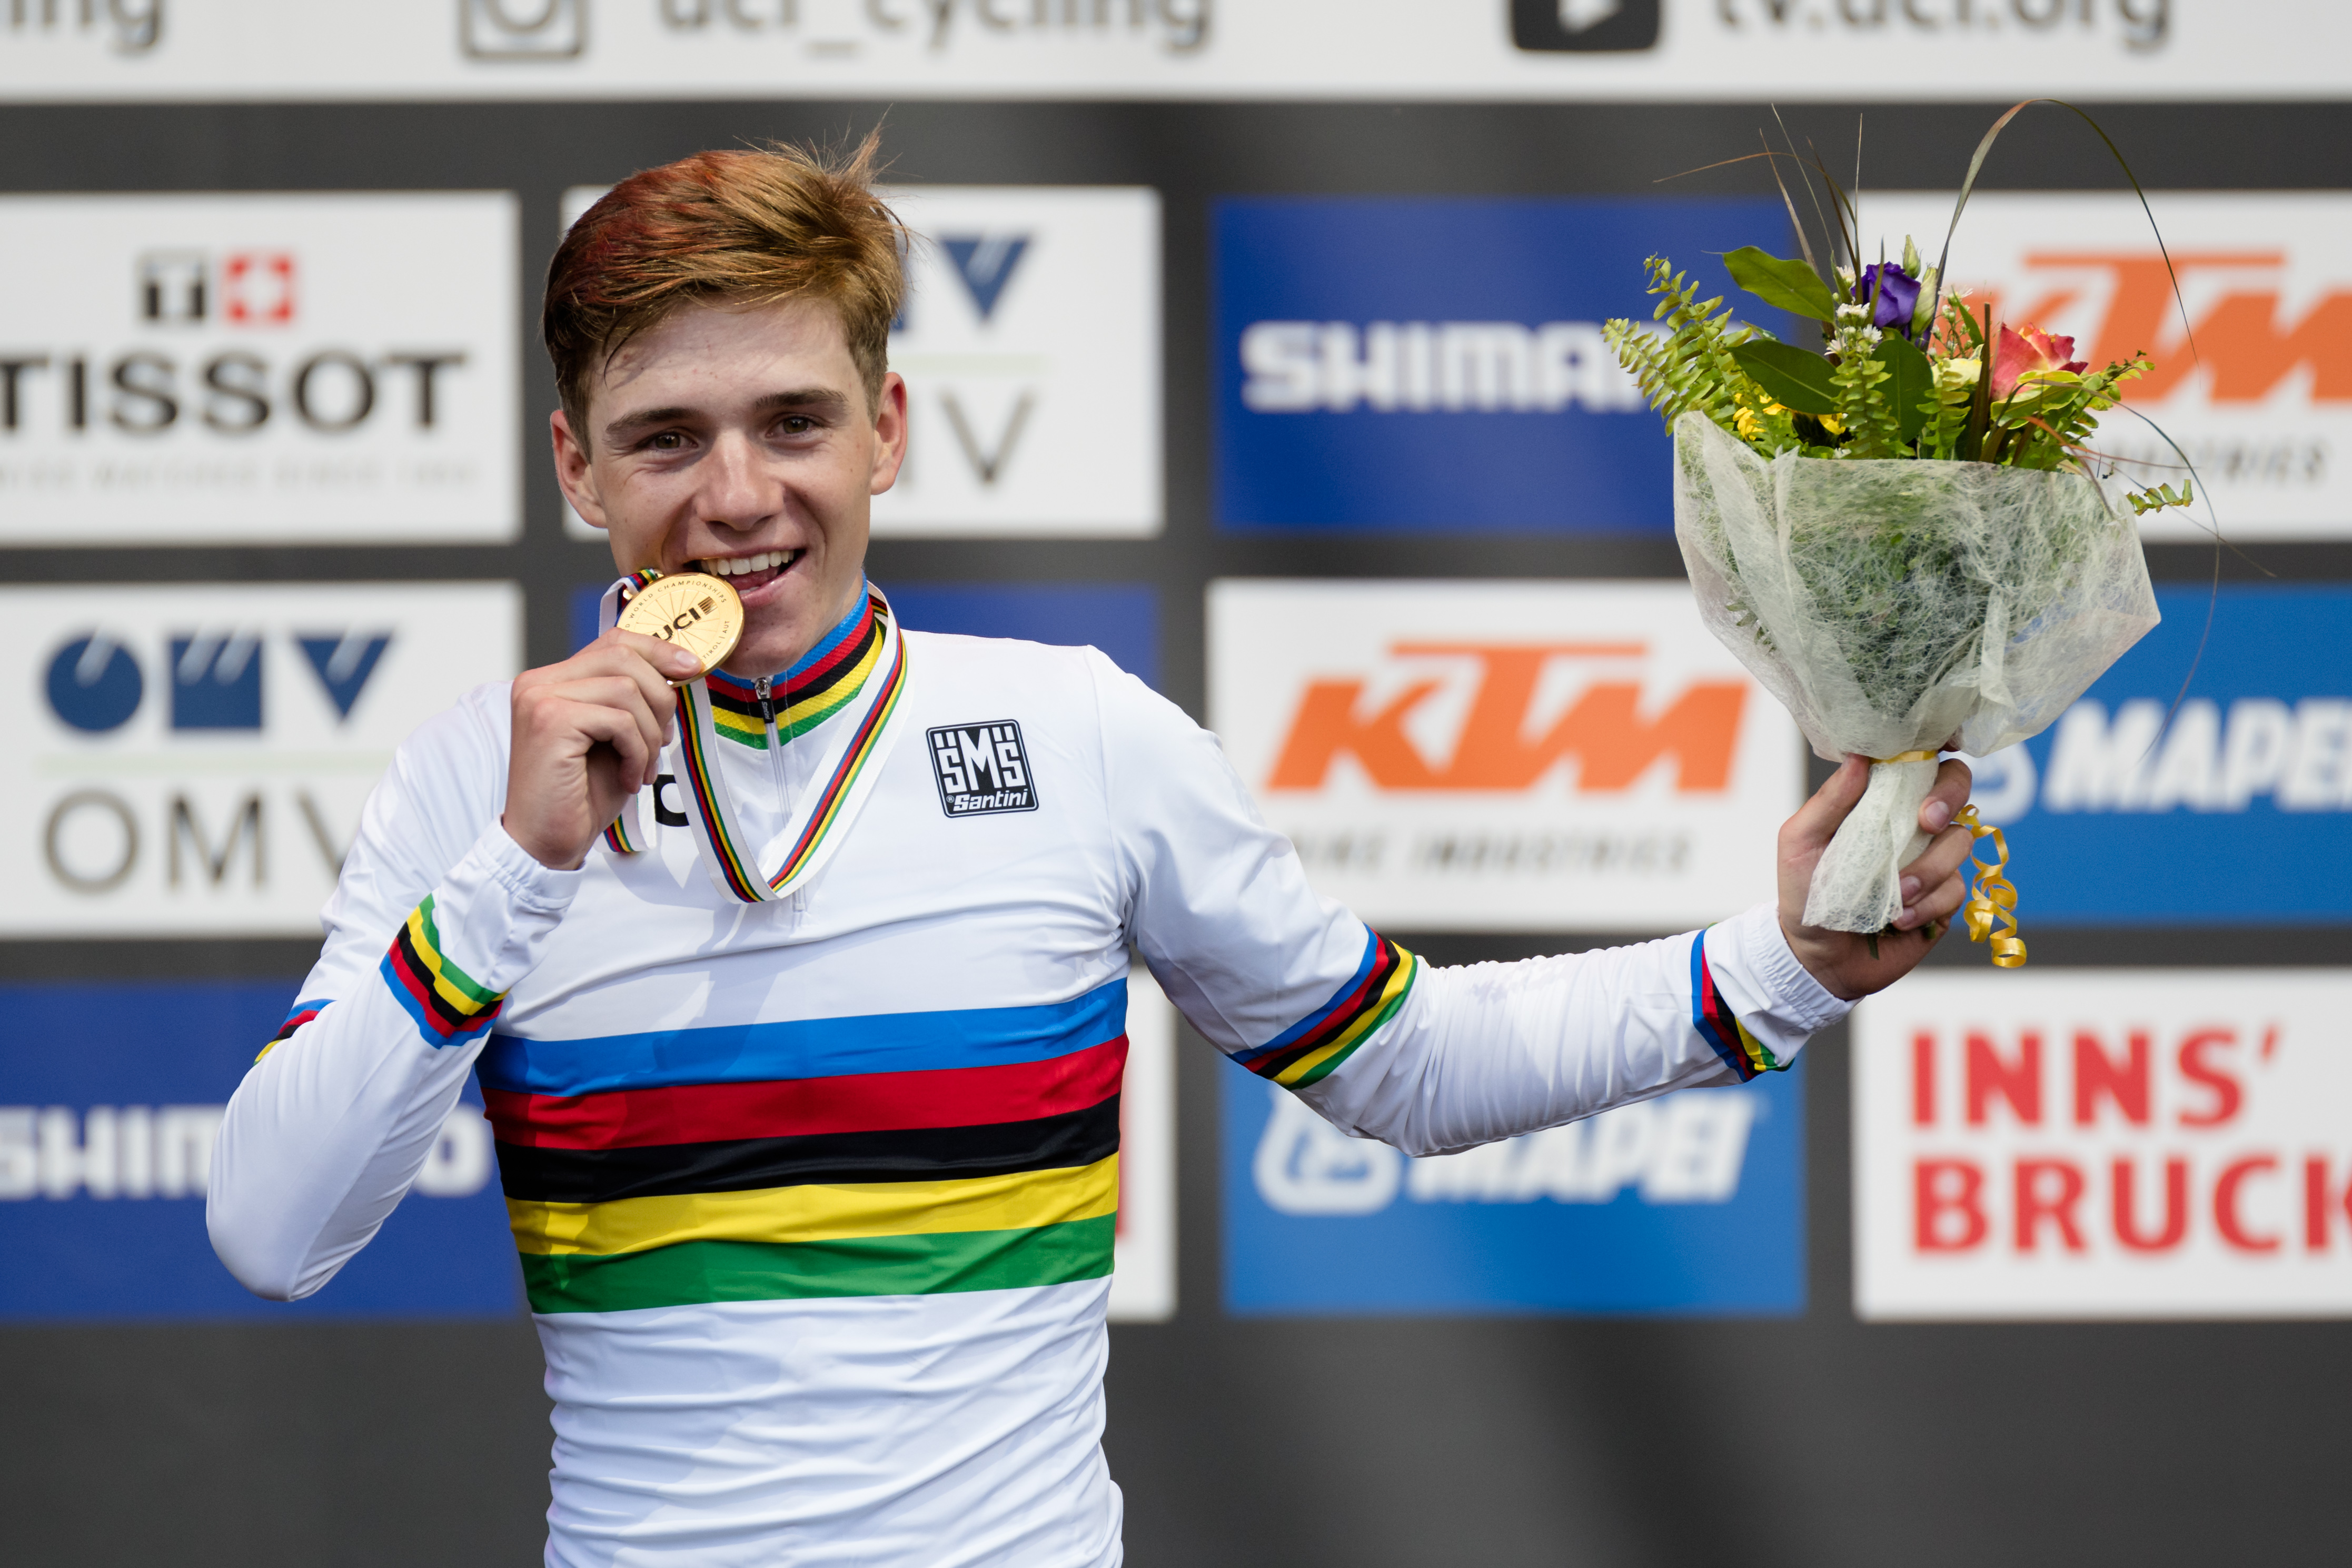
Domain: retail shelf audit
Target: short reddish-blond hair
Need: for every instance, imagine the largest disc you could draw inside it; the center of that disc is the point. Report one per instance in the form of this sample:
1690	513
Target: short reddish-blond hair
753	227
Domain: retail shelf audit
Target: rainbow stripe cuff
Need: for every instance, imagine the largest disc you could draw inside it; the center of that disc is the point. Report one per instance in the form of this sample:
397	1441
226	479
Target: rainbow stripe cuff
1311	1049
448	1005
1720	1026
302	1013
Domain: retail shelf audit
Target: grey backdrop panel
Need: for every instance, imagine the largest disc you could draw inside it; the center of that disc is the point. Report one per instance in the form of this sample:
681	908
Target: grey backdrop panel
1811	1442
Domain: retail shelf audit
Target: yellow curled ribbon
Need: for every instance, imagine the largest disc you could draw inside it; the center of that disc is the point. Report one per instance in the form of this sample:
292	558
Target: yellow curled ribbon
1994	897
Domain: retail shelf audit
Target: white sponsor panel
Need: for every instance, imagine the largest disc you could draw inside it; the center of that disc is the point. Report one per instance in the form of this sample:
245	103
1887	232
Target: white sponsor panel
2260	404
2105	1145
1676	49
1030	343
327	369
1500	756
1143	1278
192	760
1686	1148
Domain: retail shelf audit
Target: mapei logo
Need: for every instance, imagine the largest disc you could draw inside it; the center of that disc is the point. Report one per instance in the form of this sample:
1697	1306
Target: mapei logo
522	29
1521	712
982	768
95	683
1686	1148
1584	25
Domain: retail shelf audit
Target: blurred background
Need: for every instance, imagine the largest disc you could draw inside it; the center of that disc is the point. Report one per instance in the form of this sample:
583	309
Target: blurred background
1256	343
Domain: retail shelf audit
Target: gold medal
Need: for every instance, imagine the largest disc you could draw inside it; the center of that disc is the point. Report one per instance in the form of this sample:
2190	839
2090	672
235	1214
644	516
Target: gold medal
697	612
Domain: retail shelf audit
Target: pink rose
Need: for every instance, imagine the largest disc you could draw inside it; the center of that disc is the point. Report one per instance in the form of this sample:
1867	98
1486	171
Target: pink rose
2029	355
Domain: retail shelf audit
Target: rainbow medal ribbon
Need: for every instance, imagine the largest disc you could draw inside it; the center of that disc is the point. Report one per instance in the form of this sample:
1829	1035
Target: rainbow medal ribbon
846	772
625	835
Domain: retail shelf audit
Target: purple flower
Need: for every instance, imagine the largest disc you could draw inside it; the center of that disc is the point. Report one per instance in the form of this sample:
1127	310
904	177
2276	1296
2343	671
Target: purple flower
1897	291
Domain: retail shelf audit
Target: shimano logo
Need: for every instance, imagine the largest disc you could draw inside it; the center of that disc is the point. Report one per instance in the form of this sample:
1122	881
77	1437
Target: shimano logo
1485	367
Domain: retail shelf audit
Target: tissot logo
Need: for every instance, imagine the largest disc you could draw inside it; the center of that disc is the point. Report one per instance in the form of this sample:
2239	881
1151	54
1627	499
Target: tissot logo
982	768
1590	26
188	369
523	29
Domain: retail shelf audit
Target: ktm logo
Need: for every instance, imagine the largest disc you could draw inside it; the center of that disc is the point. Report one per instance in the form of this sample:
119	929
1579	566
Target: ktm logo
1614	737
2249	341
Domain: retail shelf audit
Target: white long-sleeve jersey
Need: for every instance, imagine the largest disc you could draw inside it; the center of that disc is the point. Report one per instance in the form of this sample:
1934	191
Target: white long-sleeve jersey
814	1197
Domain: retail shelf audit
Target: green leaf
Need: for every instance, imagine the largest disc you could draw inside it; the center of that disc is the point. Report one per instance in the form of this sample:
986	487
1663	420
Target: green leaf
1790	375
1790	285
1908	377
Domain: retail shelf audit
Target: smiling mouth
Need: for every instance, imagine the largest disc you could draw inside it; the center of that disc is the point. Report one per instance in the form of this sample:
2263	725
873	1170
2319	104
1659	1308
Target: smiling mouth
746	573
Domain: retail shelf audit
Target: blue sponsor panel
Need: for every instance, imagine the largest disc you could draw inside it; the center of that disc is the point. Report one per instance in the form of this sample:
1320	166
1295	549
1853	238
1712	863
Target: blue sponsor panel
1435	364
109	1099
2237	809
1120	618
1688	1206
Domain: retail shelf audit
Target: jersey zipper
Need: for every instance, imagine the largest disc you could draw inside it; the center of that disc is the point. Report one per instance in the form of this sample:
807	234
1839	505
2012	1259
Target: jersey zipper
765	690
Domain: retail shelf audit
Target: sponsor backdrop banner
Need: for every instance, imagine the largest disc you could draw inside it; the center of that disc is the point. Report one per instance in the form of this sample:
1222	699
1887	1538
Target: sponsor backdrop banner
105	1144
2105	1143
192	760
1672	49
1504	756
1689	1204
2237	809
2262	404
1428	364
332	369
1030	342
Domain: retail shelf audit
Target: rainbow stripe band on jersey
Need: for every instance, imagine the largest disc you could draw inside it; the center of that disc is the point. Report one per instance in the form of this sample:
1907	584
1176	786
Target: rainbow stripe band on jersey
1720	1026
449	1005
888	1154
1310	1050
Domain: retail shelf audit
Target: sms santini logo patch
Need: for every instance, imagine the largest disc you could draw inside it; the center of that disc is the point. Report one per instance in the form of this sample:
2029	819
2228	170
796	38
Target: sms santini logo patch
982	768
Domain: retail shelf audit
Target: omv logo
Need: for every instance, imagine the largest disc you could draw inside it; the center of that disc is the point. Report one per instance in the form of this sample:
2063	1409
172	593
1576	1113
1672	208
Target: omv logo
212	679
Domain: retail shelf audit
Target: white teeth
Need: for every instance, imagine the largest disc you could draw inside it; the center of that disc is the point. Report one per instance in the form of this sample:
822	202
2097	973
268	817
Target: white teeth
743	565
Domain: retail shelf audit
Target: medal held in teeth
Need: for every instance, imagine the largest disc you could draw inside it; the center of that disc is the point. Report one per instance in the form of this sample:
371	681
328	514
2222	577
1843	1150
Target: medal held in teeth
694	610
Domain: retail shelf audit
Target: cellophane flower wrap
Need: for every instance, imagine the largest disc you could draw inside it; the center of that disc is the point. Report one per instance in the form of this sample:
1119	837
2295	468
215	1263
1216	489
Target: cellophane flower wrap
1892	604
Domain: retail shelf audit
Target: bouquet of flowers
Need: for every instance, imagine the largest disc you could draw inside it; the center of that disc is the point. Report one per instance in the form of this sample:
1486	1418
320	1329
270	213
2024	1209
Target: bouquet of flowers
1900	533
